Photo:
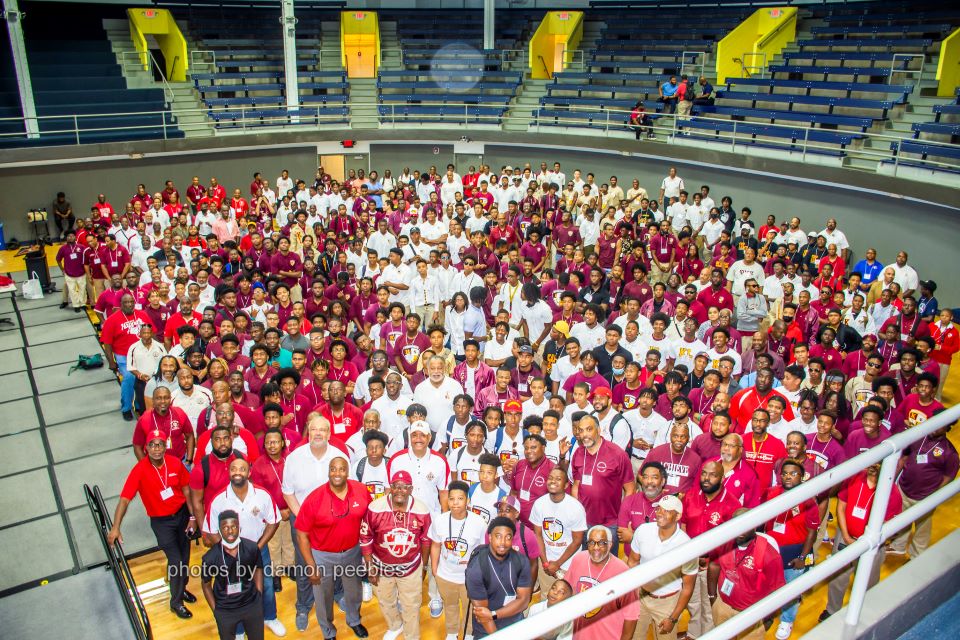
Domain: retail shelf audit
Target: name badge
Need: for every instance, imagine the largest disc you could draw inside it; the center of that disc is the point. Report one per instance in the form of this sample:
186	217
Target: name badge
860	512
673	480
922	458
166	494
113	263
524	495
587	480
233	588
779	527
727	587
508	599
522	388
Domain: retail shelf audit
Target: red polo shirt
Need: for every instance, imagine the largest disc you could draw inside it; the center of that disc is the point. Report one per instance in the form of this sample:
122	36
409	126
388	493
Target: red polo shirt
218	480
175	425
333	524
763	455
699	515
792	526
150	482
176	321
342	425
721	298
748	575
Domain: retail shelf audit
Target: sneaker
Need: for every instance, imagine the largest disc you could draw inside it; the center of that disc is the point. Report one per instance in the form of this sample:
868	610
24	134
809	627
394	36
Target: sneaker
63	305
784	629
367	592
241	636
436	608
128	416
276	627
392	635
452	636
303	619
824	615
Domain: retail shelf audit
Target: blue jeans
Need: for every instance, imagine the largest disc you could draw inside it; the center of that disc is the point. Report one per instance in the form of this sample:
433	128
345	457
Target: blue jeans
789	612
269	598
126	384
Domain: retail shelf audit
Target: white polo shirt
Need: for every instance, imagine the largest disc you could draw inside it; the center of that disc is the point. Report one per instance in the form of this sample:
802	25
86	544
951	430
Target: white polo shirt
256	511
646	542
303	471
438	400
194	404
145	359
430	474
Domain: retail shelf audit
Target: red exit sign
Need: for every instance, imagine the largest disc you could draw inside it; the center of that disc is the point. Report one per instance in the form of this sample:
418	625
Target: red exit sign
563	15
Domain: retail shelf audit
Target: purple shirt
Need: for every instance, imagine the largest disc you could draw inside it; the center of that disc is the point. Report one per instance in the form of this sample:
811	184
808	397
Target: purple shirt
601	477
926	465
596	381
682	470
409	350
71	255
535	252
289	262
857	441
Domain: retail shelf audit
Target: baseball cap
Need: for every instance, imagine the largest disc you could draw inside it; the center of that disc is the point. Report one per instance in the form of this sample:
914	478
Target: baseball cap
156	434
414	229
562	328
526	349
420	426
702	353
510	501
401	476
872	336
512	406
671	503
601	391
929	284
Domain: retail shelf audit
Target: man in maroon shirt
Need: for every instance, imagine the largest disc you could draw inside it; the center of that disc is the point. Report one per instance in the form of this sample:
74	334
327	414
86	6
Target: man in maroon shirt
681	462
289	267
716	295
70	260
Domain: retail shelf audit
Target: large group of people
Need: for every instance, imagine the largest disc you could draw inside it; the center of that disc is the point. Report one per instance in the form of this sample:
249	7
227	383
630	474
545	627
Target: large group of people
491	382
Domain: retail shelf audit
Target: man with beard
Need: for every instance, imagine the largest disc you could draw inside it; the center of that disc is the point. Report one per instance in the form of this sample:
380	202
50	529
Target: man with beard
498	580
163	484
739	478
708	444
259	518
560	523
680	462
638	508
707	506
743	576
794	531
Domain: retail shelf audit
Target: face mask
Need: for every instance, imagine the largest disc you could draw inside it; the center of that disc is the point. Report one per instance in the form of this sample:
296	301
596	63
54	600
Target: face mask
230	545
618	371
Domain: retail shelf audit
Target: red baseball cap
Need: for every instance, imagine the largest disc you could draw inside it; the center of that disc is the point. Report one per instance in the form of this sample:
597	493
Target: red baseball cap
512	406
401	476
156	434
602	391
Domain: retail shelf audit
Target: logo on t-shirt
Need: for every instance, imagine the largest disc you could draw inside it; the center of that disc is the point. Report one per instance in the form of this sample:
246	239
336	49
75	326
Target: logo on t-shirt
411	353
584	584
376	490
915	417
552	529
480	511
456	546
399	542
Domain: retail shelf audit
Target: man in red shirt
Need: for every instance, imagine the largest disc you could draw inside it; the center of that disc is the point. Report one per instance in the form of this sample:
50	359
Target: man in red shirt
947	341
195	192
70	260
93	258
761	450
328	536
163	484
118	333
187	316
743	576
345	419
748	400
171	421
116	258
716	295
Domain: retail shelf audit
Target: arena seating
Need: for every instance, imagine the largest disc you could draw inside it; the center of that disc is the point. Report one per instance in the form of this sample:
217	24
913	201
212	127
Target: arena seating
9	94
78	74
246	86
922	151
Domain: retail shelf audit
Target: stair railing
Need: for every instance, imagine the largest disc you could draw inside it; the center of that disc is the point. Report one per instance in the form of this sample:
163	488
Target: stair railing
906	57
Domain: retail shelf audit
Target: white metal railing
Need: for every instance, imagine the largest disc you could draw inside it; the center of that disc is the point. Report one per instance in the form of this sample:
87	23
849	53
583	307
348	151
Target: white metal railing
906	57
865	548
750	70
692	55
203	57
602	122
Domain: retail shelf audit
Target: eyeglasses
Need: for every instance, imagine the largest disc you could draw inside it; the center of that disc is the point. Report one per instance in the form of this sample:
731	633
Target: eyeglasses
598	543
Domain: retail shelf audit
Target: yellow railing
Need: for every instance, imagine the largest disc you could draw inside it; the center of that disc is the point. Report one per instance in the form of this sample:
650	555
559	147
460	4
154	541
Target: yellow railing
160	24
758	38
948	69
360	43
553	44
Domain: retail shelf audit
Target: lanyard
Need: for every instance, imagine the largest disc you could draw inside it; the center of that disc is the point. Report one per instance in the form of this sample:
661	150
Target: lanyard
592	469
462	527
165	478
535	474
493	570
859	493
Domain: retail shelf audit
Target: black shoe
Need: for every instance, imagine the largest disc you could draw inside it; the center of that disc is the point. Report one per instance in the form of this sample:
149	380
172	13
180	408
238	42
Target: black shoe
360	631
823	616
188	597
182	612
128	416
77	309
63	305
277	584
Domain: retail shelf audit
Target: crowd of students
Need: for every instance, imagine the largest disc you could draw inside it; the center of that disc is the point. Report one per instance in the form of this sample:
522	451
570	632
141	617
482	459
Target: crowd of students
495	380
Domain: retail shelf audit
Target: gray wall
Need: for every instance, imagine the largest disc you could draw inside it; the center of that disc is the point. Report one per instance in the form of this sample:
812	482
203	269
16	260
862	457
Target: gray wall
28	187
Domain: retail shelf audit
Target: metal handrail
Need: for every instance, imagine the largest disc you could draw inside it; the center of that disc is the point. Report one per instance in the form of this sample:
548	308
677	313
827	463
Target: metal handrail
199	53
866	547
907	56
337	51
750	69
119	568
545	67
693	54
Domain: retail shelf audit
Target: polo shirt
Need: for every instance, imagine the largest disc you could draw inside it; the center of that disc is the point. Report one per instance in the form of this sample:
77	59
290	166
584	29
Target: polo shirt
926	464
858	497
175	425
430	474
333	523
792	526
701	515
743	484
303	471
636	510
648	545
223	569
161	490
750	574
71	256
530	483
256	511
601	477
218	479
243	441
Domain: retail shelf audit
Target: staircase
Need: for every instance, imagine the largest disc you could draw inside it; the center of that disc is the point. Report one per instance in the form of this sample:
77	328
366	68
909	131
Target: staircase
331	55
363	108
519	111
390	47
189	111
592	33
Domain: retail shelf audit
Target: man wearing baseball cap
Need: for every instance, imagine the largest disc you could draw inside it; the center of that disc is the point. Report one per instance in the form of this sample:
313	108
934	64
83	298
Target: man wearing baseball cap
664	599
556	347
393	540
164	487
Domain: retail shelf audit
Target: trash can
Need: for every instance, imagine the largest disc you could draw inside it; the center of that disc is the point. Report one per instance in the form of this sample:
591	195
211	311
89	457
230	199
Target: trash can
36	262
3	240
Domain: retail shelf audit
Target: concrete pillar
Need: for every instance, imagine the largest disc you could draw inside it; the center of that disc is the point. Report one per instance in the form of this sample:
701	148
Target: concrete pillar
489	20
12	14
289	24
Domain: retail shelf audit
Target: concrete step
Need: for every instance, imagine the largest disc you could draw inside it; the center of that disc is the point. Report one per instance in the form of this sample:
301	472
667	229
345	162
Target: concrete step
861	164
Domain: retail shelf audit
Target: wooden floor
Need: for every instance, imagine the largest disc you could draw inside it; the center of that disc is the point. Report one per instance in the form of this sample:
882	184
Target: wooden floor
10	262
202	626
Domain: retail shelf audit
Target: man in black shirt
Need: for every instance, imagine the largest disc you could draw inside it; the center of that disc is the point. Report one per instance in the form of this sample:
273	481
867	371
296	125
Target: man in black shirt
497	580
232	574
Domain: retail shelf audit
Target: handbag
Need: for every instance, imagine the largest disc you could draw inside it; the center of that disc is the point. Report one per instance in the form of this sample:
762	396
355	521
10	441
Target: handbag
87	362
32	288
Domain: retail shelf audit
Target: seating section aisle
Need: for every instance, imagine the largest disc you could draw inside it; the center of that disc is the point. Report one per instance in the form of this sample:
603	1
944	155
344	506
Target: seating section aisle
634	52
77	74
243	84
923	151
851	72
447	76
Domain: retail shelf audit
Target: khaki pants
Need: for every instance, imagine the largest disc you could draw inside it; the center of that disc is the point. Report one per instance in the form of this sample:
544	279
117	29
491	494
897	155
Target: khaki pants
95	287
921	536
837	588
701	617
683	108
425	311
296	293
723	612
408	593
281	549
75	291
658	275
653	611
944	372
455	604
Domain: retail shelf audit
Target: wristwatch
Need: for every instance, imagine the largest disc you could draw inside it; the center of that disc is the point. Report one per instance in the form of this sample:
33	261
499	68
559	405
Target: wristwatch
493	614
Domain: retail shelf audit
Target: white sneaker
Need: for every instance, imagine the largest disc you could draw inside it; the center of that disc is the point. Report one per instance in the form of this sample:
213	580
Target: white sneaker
784	629
276	627
436	608
241	636
367	592
392	635
452	636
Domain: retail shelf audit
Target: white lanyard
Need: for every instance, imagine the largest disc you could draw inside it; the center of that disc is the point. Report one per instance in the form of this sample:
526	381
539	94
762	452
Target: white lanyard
497	578
165	478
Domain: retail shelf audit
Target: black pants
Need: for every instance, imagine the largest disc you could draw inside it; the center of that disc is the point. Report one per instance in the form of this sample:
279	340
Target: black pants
173	541
64	224
251	616
139	386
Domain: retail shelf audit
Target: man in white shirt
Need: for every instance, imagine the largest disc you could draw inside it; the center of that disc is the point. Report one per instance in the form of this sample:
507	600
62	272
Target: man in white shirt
437	393
793	233
382	240
670	187
392	405
560	522
396	277
204	221
837	237
743	270
904	275
284	182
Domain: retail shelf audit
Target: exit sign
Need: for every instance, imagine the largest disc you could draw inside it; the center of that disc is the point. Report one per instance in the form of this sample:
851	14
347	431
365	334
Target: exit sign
563	15
359	15
149	13
775	13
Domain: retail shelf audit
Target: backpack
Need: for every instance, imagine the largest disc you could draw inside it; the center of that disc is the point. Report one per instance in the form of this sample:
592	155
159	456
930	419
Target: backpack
205	465
617	419
87	362
499	439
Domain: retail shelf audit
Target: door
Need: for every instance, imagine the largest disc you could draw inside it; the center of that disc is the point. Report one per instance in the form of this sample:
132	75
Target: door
334	165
